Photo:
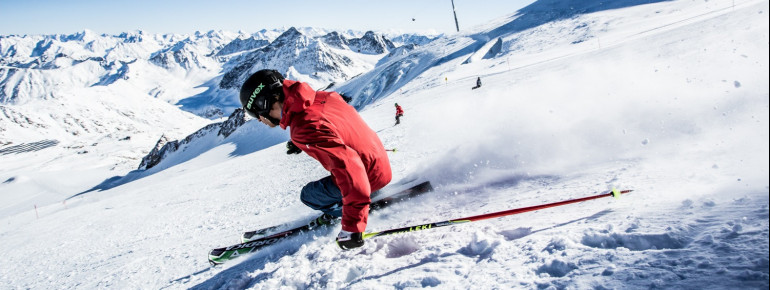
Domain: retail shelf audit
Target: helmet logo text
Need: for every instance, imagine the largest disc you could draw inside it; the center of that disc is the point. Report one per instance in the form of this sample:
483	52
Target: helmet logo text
254	95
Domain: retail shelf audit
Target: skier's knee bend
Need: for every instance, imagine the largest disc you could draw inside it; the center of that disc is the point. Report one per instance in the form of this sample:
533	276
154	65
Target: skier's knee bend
322	195
306	196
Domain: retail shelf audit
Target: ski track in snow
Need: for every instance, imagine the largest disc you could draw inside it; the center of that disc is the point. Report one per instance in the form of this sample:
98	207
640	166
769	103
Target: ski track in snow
668	99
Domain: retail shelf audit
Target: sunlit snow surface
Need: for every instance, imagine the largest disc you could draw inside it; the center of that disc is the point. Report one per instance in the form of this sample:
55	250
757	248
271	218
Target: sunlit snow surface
669	99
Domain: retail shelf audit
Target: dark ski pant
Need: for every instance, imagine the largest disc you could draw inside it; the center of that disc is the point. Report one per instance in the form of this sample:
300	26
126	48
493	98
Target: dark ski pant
323	195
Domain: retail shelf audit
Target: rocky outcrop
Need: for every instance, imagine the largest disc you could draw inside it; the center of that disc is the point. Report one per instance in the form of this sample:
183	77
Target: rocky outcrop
164	146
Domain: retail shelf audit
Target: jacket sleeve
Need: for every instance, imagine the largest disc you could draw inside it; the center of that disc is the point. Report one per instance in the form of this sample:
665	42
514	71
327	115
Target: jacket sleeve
349	174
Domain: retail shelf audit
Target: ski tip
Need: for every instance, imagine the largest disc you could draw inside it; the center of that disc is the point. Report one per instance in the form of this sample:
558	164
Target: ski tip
218	256
212	261
213	264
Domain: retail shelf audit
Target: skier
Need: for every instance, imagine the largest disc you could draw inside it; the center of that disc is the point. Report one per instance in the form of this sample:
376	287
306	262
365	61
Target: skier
478	83
399	114
331	131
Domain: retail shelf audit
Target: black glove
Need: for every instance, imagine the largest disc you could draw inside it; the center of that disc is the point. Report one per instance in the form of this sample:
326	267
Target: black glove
292	149
347	240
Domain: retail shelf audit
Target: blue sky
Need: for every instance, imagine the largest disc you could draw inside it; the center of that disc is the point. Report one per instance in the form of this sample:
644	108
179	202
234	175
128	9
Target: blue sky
178	16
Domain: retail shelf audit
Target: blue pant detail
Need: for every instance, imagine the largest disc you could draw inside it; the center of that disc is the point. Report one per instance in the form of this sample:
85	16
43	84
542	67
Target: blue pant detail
323	195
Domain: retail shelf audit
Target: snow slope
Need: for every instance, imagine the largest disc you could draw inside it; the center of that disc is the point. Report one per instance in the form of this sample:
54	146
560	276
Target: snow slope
669	99
103	100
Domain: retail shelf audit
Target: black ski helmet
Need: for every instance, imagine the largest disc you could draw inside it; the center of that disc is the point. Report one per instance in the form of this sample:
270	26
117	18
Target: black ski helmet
260	91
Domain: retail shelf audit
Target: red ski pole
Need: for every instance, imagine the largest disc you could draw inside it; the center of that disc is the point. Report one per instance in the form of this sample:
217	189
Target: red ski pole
614	192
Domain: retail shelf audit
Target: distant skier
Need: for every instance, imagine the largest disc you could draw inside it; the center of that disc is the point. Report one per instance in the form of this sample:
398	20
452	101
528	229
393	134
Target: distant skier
478	83
399	114
332	132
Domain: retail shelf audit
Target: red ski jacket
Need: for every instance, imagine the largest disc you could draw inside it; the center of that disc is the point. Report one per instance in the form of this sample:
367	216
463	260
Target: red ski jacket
399	111
325	127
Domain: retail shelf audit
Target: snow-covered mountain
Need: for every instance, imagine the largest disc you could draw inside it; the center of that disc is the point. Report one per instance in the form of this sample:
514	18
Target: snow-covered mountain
40	66
322	61
107	99
406	39
54	73
192	53
319	61
200	73
668	98
242	44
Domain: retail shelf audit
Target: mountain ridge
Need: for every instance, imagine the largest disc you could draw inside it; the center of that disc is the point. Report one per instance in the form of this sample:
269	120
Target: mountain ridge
174	68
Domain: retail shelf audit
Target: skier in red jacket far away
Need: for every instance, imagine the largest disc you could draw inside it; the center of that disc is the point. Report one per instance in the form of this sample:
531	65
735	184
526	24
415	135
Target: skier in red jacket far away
325	127
399	114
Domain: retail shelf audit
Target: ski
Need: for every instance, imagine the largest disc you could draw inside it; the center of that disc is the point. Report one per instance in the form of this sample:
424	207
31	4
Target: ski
377	202
261	238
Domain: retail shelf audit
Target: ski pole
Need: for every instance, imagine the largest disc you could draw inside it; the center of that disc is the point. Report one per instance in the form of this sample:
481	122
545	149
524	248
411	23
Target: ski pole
615	193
